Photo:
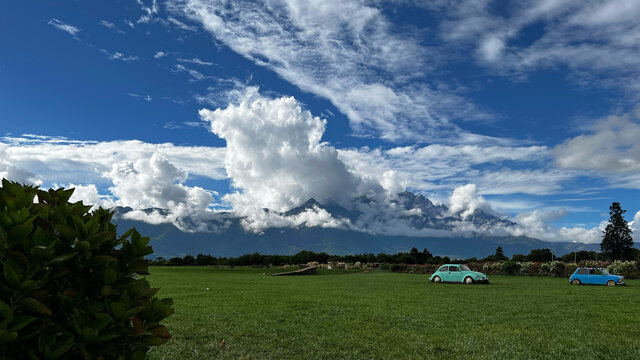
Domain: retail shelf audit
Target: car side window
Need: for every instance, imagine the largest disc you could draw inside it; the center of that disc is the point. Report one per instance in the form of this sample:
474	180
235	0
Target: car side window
597	272
444	269
454	268
583	271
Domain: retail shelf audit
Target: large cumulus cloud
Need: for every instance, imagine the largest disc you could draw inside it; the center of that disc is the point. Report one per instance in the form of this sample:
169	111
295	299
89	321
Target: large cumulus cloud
276	159
465	201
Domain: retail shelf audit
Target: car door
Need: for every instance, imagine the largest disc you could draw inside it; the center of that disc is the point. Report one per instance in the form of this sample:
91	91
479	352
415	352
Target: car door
582	275
597	277
589	277
455	275
443	272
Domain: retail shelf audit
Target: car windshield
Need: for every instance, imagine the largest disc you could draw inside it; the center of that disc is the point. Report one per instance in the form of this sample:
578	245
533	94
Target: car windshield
604	271
464	268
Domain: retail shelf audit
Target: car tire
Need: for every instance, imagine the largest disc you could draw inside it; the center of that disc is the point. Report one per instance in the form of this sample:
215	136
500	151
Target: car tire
575	282
468	280
611	283
437	279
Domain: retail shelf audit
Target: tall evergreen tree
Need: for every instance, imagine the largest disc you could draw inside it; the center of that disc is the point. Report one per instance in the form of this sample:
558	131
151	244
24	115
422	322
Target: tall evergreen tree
617	241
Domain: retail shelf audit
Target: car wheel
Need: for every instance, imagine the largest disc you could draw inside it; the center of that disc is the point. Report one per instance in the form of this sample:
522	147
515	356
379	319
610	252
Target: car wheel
468	280
575	282
611	283
437	279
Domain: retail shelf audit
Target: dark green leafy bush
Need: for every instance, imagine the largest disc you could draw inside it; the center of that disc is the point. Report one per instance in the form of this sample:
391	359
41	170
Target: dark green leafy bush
510	267
69	286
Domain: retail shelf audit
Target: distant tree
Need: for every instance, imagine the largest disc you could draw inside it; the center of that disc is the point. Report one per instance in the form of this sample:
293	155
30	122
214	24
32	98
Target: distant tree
189	260
540	255
202	259
518	257
414	256
617	241
418	257
426	255
499	255
579	256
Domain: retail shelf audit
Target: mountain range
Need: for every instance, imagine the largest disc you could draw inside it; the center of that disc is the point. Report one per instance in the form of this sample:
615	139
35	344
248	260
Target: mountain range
365	226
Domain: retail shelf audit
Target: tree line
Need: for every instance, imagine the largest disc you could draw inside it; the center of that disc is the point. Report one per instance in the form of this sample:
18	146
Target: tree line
412	257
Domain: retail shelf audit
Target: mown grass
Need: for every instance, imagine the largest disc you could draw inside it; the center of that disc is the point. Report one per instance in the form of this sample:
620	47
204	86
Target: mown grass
383	315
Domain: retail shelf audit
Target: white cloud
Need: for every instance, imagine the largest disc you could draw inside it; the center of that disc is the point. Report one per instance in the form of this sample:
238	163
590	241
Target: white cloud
149	11
119	56
155	183
537	224
195	75
491	48
10	171
137	96
346	52
444	167
107	24
196	61
544	181
612	147
160	54
64	161
181	25
70	29
257	221
466	200
89	195
634	225
274	156
598	41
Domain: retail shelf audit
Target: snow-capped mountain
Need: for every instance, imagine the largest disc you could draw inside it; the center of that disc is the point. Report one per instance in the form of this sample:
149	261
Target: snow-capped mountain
367	226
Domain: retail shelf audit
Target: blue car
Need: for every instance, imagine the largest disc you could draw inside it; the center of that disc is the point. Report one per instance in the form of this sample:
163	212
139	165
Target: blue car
595	276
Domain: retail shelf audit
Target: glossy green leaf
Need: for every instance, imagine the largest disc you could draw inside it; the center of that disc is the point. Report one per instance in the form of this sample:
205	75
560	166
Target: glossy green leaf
110	276
7	336
12	277
34	305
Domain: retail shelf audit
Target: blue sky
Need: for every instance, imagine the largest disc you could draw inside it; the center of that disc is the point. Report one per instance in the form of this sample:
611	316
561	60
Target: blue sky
535	104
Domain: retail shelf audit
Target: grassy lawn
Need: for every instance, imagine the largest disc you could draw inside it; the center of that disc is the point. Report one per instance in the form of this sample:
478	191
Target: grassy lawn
383	315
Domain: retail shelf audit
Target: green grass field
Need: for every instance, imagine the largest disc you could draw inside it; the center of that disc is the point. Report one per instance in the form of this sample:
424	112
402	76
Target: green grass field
383	315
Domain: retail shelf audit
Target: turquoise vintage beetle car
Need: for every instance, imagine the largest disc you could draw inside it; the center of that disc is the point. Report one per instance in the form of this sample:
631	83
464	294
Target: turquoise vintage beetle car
456	273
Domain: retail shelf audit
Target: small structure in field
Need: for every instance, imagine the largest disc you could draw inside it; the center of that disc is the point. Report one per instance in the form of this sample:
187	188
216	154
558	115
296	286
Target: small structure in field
306	271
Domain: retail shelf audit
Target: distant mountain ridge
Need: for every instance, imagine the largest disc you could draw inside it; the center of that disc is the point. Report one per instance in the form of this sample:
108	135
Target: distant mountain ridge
232	239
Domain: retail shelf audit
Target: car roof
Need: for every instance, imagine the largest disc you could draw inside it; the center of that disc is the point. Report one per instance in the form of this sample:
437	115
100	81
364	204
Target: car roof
452	264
